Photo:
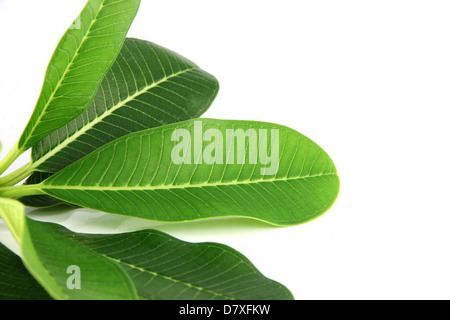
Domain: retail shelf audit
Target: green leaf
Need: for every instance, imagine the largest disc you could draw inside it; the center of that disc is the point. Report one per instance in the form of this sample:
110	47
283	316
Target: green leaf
83	56
49	256
141	174
147	86
16	283
165	268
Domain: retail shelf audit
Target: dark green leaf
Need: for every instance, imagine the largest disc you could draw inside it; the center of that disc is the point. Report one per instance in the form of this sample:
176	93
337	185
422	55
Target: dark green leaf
49	257
165	268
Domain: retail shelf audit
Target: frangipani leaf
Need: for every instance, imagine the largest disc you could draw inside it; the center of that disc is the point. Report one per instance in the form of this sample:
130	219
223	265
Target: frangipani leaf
16	283
49	256
165	268
276	174
83	56
147	86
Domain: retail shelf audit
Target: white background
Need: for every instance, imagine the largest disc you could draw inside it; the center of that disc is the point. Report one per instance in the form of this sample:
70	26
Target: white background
369	81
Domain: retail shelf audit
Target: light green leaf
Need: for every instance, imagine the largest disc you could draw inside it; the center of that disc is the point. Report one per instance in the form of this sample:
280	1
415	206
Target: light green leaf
49	256
78	65
165	268
16	283
144	174
147	86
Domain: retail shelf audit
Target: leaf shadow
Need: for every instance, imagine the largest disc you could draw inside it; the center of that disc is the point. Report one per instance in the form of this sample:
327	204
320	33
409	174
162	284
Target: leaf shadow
84	220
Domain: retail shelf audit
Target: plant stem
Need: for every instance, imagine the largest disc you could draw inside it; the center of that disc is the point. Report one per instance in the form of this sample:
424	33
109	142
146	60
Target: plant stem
16	176
20	191
10	158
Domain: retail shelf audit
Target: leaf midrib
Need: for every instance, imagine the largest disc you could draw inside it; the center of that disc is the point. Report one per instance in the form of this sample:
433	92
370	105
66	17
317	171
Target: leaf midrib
97	120
181	186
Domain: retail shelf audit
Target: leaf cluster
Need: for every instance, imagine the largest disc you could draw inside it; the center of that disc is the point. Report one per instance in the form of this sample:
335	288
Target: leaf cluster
118	128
